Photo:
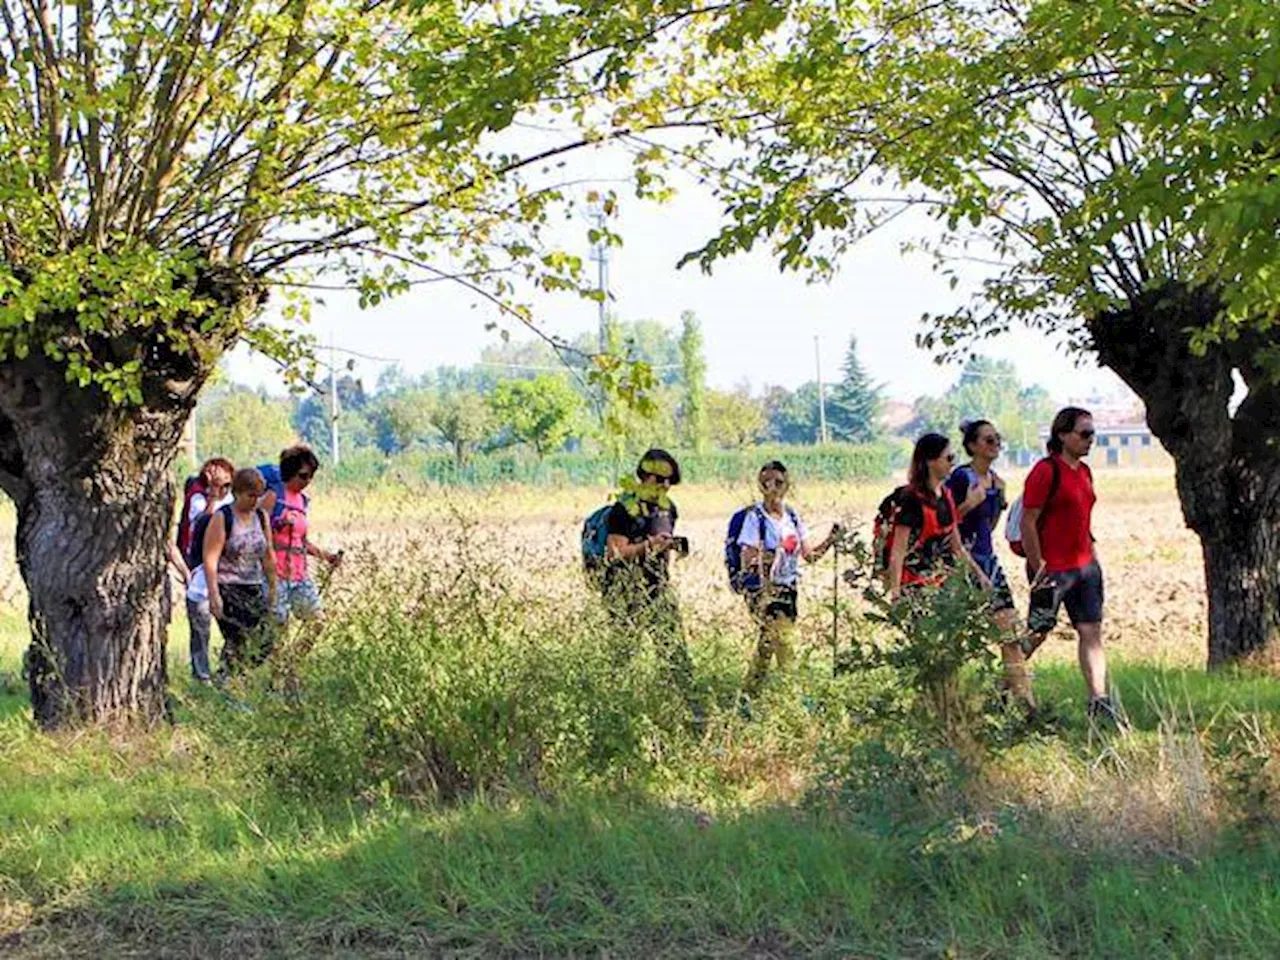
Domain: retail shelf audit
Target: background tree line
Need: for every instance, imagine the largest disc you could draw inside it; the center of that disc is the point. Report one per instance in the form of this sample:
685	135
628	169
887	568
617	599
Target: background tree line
531	397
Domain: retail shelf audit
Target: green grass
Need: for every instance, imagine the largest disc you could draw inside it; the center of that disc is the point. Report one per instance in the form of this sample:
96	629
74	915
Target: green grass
162	857
152	846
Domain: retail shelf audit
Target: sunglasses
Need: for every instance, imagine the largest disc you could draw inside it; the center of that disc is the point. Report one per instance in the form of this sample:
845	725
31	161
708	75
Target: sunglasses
657	468
304	475
949	456
1085	434
773	482
994	440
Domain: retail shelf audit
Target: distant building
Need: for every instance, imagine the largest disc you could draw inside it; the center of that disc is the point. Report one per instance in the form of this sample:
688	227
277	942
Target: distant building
895	415
1116	445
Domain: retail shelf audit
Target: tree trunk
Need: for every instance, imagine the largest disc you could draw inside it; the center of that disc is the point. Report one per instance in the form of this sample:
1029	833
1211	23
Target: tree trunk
1243	580
1227	465
90	478
94	563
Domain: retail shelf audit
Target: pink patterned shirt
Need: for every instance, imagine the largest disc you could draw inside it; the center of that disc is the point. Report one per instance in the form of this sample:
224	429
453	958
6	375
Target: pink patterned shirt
290	538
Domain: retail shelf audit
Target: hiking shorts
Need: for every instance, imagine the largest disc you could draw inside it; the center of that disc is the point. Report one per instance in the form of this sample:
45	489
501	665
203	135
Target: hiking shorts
1080	590
1001	594
774	602
297	597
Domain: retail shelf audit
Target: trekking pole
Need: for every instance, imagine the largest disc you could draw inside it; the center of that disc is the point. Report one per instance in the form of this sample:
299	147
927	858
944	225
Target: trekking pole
835	610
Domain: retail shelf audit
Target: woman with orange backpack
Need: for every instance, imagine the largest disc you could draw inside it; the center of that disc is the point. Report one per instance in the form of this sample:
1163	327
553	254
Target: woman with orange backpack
924	542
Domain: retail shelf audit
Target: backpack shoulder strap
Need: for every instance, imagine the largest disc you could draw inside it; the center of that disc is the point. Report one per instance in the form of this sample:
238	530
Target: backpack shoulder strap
1055	481
758	509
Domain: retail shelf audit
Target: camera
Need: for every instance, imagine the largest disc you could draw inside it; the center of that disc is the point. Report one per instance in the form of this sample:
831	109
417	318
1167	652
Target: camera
680	545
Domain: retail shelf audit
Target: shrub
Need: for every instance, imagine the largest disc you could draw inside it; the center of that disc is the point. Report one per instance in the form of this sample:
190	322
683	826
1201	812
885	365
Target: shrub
434	680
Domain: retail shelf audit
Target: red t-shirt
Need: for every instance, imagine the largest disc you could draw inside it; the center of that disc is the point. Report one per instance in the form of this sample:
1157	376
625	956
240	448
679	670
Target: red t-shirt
1066	540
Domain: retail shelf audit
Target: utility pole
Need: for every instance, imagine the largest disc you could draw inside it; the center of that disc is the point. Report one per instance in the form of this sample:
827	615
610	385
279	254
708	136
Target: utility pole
334	453
822	397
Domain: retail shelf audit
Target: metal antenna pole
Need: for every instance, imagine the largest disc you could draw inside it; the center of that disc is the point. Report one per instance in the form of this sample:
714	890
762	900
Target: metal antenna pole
600	254
822	397
334	450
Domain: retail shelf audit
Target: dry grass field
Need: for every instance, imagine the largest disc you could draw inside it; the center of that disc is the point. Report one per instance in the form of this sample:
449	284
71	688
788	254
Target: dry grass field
1154	575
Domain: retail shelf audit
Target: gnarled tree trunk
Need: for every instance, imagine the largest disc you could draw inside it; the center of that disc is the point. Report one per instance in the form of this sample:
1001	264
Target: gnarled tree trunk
94	506
91	481
1228	465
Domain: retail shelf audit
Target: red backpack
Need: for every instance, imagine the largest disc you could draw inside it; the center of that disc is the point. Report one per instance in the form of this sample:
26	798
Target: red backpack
882	530
194	485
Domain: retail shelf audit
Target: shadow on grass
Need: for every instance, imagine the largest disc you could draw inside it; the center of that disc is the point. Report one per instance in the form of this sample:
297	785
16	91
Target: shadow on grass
609	878
103	856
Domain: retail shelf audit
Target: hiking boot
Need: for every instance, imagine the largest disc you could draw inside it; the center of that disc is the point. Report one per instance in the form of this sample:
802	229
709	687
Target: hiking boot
1103	711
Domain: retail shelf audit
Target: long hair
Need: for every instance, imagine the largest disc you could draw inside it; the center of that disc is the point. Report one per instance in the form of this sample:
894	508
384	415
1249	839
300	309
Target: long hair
929	447
969	430
1064	421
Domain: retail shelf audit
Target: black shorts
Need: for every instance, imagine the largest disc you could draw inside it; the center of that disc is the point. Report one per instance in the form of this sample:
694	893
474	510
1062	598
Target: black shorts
1081	590
774	602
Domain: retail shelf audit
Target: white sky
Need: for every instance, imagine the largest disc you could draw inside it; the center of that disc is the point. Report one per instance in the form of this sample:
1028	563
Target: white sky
758	324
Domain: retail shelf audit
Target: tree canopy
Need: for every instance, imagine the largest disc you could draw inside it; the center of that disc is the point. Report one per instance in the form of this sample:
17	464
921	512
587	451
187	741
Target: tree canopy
1109	166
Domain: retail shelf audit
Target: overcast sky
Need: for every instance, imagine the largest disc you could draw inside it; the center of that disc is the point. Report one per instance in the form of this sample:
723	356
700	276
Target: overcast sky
759	324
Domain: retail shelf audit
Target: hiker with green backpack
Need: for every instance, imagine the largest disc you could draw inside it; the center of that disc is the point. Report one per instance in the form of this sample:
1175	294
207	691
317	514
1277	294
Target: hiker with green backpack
770	541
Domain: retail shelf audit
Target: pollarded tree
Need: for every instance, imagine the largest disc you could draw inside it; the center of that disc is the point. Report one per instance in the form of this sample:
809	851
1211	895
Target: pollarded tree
1111	165
166	162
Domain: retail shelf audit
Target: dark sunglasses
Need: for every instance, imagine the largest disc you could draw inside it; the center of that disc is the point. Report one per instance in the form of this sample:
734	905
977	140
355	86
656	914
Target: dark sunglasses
994	439
304	475
949	456
1086	434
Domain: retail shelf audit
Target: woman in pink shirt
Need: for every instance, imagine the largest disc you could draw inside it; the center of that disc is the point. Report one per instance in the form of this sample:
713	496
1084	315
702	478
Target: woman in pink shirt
297	594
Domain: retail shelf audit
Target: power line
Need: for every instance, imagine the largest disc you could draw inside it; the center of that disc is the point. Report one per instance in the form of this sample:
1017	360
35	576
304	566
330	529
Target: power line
560	368
362	356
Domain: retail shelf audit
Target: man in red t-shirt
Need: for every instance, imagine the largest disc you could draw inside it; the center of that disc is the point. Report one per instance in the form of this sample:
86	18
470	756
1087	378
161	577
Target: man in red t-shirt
1057	537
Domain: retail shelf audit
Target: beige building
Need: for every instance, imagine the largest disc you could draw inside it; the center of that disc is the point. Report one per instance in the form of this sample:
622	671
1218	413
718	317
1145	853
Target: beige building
1123	445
